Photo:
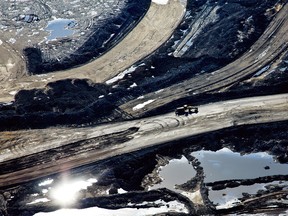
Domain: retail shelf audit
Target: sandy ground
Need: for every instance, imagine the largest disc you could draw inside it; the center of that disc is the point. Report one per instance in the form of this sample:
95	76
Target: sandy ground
12	63
151	132
151	32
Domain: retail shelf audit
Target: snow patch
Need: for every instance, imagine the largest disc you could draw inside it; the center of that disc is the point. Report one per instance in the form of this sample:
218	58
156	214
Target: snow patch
12	40
13	92
264	53
133	85
159	91
121	75
121	191
140	106
172	206
42	200
160	2
46	182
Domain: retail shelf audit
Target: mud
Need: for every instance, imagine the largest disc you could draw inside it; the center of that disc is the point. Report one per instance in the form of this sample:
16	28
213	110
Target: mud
96	27
124	181
128	172
83	99
102	36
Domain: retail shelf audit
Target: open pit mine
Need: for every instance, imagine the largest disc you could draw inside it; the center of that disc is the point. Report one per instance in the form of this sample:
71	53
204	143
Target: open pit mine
143	107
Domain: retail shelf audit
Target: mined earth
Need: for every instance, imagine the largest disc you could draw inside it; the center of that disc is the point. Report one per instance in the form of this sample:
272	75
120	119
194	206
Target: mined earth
87	99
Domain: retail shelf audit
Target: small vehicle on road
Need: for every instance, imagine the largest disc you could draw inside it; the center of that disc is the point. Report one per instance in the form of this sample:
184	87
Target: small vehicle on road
186	110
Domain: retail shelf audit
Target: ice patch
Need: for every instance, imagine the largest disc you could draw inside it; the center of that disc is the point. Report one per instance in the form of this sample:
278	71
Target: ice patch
140	106
262	71
59	28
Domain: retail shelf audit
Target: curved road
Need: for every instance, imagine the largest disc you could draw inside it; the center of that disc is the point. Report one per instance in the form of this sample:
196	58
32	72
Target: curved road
268	48
150	33
64	148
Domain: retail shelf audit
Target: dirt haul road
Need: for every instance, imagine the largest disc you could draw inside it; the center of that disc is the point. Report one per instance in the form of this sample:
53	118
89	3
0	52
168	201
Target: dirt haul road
268	48
39	153
12	64
151	32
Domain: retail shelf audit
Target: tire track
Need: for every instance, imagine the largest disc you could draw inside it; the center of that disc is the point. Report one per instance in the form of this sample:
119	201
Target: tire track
268	48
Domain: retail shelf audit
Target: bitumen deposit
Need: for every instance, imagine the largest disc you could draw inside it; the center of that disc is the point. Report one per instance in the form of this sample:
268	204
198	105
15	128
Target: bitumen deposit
88	94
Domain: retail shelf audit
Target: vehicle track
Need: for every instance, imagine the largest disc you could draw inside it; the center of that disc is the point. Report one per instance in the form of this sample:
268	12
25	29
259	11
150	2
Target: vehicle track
128	137
272	44
146	37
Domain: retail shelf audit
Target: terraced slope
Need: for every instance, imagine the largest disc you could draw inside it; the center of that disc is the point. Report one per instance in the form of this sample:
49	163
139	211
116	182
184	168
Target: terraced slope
145	38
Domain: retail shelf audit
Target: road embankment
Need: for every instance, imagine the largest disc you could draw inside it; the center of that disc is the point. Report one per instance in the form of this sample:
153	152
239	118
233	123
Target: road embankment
103	142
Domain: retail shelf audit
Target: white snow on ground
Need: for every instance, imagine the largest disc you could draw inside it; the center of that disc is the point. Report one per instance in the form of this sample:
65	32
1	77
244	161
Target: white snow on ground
161	2
12	40
173	206
121	75
1	42
159	91
46	182
261	55
229	204
133	85
140	106
121	191
42	200
13	92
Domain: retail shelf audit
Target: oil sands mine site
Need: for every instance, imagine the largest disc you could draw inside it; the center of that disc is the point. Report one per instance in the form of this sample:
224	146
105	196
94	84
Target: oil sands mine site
143	107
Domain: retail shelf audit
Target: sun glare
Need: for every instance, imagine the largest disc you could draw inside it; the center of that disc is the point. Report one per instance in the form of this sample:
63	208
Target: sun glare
67	192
